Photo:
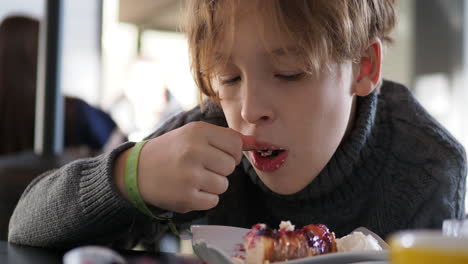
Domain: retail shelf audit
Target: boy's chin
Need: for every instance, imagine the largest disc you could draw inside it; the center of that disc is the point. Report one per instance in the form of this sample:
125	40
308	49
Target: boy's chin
281	186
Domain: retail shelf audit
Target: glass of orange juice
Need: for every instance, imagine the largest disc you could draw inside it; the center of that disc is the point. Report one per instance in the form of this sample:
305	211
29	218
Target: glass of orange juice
427	247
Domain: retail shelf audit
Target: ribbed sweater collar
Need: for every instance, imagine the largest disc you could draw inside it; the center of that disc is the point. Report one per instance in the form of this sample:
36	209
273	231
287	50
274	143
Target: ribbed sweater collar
340	172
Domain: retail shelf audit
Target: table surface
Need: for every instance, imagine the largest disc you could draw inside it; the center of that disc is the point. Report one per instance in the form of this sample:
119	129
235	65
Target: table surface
15	254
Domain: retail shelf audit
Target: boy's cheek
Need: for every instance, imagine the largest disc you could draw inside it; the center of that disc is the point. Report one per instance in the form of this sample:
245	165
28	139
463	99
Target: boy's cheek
232	115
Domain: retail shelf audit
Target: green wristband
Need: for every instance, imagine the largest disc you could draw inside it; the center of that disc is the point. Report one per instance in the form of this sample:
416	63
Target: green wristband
131	185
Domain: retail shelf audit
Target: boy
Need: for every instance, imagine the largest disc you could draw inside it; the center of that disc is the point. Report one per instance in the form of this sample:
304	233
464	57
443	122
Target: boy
294	128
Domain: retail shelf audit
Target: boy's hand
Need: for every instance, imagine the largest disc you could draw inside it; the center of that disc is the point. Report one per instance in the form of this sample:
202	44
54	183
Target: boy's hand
186	169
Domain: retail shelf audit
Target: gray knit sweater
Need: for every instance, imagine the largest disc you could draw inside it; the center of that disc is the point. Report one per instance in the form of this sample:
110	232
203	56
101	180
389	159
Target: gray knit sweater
398	169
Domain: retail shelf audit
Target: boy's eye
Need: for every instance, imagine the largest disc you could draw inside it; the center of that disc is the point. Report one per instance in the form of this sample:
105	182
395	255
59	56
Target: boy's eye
290	77
230	80
287	77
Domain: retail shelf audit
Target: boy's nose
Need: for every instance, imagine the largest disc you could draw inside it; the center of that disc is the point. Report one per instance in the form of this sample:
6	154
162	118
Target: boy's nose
256	105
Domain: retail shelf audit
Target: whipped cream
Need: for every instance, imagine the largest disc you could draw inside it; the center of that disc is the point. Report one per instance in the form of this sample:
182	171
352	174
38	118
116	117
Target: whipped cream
286	226
357	241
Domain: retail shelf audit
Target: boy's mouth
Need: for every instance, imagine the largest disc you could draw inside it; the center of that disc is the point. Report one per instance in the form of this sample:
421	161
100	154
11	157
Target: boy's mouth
268	158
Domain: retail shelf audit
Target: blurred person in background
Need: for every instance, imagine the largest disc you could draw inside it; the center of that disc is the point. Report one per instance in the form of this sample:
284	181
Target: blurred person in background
88	130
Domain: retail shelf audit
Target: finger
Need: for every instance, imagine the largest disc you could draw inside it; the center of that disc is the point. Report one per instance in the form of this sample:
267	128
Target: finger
204	201
219	162
248	142
226	140
213	183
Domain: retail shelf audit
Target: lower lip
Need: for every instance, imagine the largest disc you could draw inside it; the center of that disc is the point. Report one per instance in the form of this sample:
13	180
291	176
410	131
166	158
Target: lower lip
268	164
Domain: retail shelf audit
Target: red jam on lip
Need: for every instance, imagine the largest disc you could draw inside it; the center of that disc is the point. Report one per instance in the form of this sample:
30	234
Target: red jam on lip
265	156
268	164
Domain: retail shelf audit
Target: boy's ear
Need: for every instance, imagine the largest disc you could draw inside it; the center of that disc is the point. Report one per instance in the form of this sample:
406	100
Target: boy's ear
369	69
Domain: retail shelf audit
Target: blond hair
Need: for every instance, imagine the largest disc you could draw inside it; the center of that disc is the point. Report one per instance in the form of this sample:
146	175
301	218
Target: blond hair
324	30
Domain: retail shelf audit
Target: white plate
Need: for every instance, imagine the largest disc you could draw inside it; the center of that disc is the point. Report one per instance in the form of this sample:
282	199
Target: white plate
217	244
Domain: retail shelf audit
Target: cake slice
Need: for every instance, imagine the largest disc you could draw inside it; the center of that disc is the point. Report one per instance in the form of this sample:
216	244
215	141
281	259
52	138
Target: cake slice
266	245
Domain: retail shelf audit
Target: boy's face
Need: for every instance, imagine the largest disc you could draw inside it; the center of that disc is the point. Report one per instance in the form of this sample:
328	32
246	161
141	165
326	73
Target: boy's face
275	101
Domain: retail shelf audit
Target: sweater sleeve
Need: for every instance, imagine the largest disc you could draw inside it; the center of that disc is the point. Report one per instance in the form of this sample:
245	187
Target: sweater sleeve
73	205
